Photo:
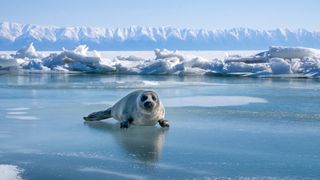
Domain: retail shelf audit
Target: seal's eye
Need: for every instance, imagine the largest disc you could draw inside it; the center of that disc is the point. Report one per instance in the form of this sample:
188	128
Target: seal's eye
154	98
143	98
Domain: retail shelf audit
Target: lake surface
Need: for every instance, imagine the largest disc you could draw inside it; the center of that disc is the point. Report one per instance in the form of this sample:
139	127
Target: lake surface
221	127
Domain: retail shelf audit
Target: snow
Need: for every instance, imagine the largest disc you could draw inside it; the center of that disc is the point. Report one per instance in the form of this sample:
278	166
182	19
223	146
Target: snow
300	61
12	35
9	172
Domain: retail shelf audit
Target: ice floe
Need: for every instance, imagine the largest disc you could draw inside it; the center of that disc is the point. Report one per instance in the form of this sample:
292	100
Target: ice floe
277	61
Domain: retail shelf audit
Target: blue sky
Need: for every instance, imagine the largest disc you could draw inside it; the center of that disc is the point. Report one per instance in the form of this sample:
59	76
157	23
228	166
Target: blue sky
209	14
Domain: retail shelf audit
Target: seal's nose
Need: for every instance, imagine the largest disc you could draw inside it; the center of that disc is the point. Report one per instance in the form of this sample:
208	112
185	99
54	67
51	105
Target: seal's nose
148	104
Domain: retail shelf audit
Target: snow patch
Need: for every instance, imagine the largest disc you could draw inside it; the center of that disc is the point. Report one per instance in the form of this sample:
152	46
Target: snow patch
10	172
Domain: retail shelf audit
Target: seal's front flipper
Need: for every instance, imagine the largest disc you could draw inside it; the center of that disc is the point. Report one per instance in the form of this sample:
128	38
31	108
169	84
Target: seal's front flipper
163	123
126	123
97	116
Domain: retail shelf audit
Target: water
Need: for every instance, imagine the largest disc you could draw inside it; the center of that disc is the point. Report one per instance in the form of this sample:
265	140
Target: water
220	128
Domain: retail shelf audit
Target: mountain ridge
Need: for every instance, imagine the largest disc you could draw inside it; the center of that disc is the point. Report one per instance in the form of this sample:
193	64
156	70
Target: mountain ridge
14	35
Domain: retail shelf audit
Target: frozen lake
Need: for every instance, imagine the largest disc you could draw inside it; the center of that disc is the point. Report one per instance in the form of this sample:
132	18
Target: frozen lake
221	127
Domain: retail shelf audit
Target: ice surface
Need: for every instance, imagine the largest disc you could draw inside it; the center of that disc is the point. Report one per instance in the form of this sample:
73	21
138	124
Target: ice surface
211	101
298	61
113	173
220	128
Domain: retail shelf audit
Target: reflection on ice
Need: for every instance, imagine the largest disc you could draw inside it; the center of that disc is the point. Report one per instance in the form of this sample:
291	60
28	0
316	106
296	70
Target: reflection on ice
18	109
141	142
19	113
16	112
22	117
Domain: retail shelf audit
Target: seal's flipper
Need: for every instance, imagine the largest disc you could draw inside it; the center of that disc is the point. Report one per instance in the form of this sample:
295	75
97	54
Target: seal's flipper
97	116
164	123
126	123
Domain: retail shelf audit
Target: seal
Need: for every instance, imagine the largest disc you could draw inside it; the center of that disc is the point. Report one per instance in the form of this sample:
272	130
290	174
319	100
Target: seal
140	107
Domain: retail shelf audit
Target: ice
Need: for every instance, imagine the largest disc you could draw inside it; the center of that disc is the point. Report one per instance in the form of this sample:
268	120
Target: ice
292	52
211	101
112	173
280	66
16	112
28	52
166	54
277	61
81	50
76	60
7	61
220	128
241	67
22	117
306	65
10	172
18	109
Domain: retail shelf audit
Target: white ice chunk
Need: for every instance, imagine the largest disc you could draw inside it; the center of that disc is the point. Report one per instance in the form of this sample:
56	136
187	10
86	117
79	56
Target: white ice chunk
76	60
306	65
28	52
304	62
280	66
6	60
81	50
234	67
292	52
165	54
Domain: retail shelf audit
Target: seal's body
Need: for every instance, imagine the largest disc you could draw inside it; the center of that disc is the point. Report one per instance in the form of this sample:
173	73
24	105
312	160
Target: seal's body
139	108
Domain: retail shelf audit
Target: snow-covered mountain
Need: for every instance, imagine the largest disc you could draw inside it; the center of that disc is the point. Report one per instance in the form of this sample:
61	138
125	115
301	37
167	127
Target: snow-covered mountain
13	36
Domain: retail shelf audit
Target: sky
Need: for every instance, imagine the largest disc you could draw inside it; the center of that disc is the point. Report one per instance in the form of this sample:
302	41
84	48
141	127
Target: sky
208	14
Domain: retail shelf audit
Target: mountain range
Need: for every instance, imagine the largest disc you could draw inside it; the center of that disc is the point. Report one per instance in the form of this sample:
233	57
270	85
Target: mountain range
13	36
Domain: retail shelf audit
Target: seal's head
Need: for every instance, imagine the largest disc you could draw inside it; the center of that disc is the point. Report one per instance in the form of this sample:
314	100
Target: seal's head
149	100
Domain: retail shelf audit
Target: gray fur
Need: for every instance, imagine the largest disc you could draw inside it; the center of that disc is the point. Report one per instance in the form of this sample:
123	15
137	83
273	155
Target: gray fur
139	108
